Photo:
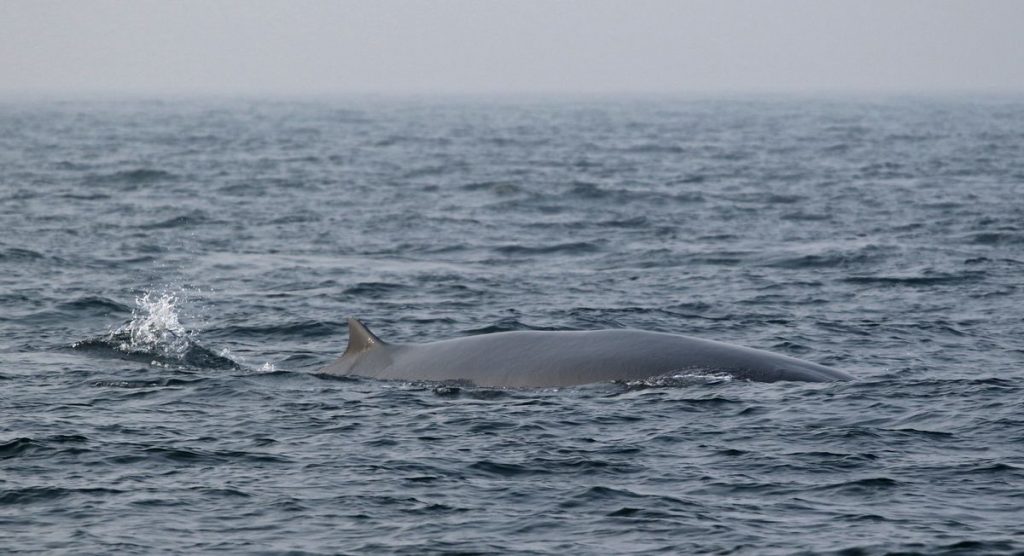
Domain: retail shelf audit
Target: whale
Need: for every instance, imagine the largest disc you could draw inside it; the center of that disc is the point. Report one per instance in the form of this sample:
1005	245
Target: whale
556	359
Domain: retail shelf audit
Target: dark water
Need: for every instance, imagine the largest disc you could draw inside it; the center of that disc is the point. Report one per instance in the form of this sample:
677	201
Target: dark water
172	274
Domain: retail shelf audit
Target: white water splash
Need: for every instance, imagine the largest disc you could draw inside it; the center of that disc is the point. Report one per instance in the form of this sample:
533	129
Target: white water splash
154	328
267	367
681	378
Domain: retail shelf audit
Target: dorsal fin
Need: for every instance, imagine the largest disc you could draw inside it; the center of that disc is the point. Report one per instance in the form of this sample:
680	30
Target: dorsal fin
360	338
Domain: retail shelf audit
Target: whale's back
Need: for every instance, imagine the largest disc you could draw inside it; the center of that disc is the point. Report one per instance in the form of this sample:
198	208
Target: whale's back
564	358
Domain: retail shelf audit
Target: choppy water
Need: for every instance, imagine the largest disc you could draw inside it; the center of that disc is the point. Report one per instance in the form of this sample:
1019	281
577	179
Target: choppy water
173	273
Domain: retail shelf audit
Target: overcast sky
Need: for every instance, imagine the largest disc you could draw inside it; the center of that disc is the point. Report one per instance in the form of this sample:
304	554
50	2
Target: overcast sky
490	46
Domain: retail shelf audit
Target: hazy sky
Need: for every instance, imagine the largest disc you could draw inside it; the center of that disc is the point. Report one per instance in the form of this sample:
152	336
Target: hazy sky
490	46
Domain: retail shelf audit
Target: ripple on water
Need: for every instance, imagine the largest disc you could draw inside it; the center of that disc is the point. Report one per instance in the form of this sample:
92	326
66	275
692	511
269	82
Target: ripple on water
858	233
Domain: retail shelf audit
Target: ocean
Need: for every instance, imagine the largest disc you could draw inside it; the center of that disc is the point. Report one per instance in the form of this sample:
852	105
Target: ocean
174	272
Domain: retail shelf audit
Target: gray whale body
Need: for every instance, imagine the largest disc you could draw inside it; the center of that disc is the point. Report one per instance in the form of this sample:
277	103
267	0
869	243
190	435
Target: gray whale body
542	359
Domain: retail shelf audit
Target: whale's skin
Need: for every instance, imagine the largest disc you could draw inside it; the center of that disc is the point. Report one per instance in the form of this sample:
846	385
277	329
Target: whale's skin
553	359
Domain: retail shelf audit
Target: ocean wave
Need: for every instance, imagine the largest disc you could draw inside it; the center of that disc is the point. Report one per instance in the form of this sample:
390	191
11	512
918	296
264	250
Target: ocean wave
571	248
134	177
191	218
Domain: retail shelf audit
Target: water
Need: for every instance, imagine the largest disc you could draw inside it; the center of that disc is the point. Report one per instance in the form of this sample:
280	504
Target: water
173	273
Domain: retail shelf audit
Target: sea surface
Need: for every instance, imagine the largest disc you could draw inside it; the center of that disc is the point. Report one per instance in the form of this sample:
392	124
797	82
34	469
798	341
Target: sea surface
173	273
